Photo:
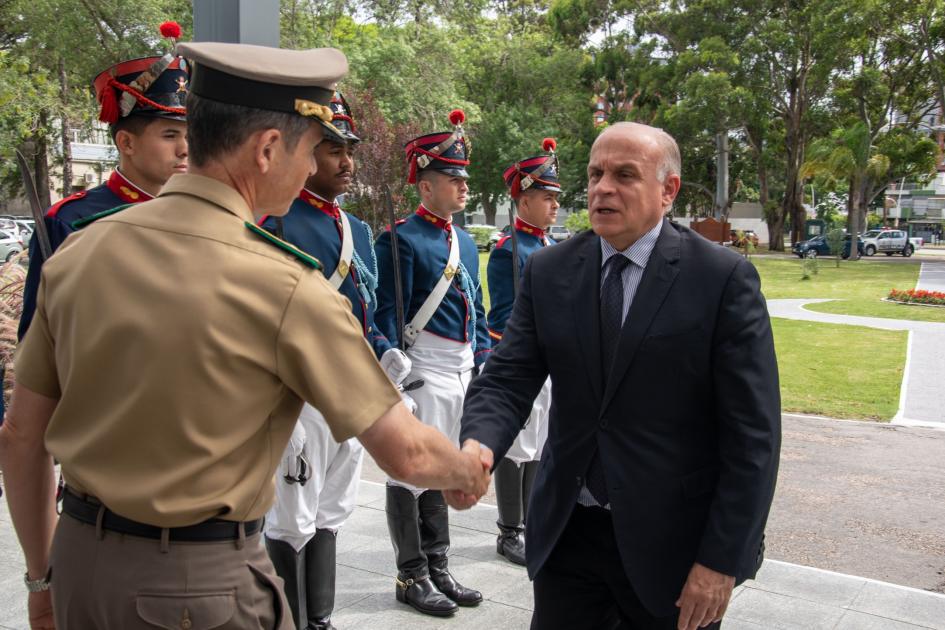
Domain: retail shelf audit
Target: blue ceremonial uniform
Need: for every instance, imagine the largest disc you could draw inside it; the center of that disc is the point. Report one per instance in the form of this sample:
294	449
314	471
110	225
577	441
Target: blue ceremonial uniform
314	226
117	191
424	252
499	272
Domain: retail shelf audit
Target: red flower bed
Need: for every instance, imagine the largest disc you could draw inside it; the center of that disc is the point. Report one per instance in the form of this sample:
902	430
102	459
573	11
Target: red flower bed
916	296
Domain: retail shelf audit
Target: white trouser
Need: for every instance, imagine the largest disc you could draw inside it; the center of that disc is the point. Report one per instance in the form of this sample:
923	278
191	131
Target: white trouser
331	492
530	442
445	366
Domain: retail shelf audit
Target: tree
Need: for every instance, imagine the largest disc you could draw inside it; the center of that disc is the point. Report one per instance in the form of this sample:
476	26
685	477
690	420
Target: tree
65	44
835	243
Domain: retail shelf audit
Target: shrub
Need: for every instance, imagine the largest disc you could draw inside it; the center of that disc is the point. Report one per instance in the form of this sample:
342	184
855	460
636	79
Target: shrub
917	296
809	267
578	221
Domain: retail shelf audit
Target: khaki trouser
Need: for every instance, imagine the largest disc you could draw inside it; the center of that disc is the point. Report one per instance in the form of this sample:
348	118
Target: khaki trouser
108	580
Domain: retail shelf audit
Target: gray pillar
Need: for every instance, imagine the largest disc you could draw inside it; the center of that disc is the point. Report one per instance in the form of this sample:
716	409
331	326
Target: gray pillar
237	21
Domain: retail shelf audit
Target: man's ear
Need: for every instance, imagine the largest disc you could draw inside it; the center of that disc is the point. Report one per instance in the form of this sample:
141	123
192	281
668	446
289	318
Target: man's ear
125	141
671	186
423	187
265	148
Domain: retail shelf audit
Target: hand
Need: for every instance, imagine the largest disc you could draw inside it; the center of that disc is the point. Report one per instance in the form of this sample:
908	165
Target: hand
704	597
40	611
396	365
409	402
479	477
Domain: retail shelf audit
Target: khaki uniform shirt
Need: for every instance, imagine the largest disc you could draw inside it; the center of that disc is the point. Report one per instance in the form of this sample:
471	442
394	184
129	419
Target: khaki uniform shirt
181	345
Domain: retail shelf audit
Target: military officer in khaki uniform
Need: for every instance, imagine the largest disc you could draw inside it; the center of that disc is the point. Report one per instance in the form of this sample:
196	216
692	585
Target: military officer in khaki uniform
172	348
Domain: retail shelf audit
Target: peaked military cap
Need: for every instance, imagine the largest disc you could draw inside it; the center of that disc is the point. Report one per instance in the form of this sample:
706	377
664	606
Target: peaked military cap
445	151
534	173
342	121
149	86
291	81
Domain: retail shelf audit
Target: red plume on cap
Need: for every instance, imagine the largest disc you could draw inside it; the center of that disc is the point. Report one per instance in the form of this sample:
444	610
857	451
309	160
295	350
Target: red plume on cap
170	30
457	116
109	101
549	144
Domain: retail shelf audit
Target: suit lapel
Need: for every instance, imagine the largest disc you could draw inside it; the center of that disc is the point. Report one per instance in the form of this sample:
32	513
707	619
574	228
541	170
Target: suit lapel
658	278
587	309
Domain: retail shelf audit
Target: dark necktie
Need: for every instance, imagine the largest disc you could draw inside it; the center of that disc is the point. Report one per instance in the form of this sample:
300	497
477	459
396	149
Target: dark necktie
611	321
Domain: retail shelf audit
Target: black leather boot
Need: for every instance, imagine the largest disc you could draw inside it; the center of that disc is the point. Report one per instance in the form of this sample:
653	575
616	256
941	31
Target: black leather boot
414	585
435	534
510	543
320	580
286	562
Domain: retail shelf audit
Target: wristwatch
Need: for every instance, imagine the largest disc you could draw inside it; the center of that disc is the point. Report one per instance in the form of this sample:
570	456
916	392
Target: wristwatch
38	585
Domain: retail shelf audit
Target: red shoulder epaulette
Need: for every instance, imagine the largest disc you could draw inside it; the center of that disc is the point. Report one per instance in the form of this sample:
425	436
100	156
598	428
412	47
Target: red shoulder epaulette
399	222
53	209
502	241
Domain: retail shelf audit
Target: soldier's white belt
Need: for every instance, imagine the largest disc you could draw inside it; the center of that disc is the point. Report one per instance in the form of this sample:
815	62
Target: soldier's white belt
347	252
429	306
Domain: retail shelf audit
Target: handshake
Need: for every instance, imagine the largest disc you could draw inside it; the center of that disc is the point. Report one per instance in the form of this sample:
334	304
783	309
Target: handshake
473	475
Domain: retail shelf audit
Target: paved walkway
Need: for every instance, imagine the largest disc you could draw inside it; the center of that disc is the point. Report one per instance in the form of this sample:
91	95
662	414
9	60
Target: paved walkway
932	277
785	596
922	401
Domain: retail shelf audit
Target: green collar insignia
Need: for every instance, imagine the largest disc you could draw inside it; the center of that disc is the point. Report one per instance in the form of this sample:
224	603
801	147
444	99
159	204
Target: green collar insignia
78	224
311	261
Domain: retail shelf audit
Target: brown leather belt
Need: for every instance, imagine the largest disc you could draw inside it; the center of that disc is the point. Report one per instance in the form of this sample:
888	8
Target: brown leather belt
86	511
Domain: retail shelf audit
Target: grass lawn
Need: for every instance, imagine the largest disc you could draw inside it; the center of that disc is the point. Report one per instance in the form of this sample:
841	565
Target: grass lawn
860	285
823	371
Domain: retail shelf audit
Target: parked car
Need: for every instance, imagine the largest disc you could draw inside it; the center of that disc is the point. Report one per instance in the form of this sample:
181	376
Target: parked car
747	235
25	227
10	245
482	234
559	233
818	246
889	242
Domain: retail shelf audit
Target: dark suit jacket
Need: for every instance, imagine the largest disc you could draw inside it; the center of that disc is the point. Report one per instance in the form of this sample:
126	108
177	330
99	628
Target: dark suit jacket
688	425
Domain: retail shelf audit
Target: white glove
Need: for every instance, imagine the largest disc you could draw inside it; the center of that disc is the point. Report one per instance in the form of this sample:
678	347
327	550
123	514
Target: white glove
292	459
396	365
409	402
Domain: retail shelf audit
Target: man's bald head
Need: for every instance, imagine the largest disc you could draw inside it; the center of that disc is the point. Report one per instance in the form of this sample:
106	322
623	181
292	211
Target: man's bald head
632	179
670	162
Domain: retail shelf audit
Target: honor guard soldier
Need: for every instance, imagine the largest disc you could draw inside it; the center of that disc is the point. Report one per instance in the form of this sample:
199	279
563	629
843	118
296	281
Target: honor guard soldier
317	482
445	338
142	100
533	185
171	351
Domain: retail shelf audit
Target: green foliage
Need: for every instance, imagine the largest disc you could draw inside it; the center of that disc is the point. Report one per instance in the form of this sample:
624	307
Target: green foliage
481	235
828	209
809	267
578	221
834	239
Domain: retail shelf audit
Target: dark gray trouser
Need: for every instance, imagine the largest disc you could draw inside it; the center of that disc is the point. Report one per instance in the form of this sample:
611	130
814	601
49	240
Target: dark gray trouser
110	580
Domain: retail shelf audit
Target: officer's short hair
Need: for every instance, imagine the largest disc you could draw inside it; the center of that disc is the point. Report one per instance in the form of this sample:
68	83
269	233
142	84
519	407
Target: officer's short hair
132	124
215	129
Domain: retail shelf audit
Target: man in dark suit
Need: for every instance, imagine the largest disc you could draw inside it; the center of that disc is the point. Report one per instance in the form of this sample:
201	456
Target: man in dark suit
659	470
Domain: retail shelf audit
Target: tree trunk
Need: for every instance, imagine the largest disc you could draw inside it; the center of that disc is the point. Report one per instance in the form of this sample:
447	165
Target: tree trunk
793	205
853	216
66	139
41	161
488	206
776	232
